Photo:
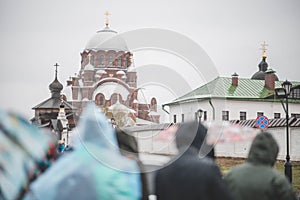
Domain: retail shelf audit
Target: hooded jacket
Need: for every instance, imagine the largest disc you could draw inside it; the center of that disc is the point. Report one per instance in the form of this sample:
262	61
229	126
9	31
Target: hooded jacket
190	176
257	179
129	146
95	169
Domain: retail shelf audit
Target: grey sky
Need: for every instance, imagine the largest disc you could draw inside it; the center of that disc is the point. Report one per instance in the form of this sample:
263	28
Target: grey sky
36	34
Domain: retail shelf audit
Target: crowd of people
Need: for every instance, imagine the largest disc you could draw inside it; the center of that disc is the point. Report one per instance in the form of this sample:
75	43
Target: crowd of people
104	164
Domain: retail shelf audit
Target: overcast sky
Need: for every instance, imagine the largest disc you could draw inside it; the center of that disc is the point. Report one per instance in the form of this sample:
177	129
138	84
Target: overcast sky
35	34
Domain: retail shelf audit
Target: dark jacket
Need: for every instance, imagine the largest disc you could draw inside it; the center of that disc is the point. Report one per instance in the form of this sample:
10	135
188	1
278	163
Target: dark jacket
257	179
129	147
188	176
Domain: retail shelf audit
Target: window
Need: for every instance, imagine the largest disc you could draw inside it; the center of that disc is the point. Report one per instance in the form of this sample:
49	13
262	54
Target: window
297	115
182	117
127	62
174	118
111	59
153	105
260	114
119	61
114	99
92	62
276	115
204	116
99	99
101	60
225	115
243	115
295	93
87	60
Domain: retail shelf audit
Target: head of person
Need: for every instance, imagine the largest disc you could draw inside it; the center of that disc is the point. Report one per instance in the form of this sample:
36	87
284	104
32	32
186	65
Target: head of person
127	143
193	135
264	150
61	146
94	129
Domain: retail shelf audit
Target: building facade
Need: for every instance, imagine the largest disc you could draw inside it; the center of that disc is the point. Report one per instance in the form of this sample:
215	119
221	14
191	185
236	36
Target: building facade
234	98
108	78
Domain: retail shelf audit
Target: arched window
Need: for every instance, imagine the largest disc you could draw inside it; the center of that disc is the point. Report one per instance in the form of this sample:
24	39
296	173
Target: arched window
153	104
111	59
87	60
92	60
127	62
115	98
120	61
101	60
99	100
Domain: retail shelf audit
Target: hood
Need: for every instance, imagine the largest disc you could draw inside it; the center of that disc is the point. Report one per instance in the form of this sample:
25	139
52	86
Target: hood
97	139
93	128
127	142
264	150
193	135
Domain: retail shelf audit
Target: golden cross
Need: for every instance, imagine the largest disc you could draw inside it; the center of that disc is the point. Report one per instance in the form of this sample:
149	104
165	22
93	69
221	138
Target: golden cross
106	16
263	48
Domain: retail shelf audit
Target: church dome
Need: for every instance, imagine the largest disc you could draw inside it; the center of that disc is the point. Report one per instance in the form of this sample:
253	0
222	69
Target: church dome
260	75
56	87
262	69
106	39
263	65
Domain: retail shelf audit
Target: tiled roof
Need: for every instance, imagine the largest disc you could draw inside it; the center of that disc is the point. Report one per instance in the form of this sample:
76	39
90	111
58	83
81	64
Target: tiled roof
222	87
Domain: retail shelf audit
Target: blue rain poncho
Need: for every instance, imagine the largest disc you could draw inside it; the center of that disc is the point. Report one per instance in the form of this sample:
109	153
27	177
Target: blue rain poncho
22	148
94	170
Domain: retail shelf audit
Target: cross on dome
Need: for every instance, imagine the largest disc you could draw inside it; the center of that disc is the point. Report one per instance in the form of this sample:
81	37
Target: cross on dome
263	48
56	65
106	18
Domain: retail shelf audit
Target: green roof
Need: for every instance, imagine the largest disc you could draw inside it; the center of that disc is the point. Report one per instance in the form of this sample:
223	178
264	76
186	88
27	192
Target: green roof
221	87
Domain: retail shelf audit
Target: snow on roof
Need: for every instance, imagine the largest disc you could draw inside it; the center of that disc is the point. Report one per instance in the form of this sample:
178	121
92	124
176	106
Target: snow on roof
153	113
120	72
100	71
106	39
118	107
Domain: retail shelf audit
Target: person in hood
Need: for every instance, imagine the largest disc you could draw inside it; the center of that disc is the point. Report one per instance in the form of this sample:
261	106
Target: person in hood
193	174
257	179
95	169
129	148
61	146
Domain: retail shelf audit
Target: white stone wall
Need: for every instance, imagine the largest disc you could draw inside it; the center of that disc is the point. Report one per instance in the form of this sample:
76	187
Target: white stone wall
241	149
149	142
